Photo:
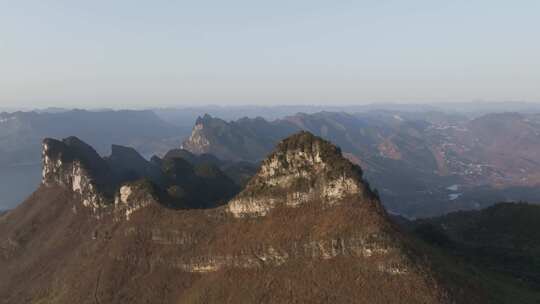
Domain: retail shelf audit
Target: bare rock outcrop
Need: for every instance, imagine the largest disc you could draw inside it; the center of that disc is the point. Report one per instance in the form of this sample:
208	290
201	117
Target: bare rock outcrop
302	169
73	164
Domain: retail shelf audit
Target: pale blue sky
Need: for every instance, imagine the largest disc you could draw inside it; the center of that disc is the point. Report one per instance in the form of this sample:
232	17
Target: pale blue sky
148	53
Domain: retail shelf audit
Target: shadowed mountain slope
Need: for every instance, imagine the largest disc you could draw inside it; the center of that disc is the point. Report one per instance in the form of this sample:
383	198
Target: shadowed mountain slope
504	238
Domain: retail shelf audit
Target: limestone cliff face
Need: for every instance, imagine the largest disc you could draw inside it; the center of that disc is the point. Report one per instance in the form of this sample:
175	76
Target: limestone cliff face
242	140
74	165
198	141
303	169
125	182
132	197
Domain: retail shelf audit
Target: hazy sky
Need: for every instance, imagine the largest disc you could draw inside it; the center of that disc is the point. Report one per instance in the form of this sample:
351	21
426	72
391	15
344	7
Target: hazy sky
147	53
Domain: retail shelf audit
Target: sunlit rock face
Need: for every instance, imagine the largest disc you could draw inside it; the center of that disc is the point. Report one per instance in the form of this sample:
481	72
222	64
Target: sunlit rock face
132	197
242	140
198	141
369	248
303	169
75	165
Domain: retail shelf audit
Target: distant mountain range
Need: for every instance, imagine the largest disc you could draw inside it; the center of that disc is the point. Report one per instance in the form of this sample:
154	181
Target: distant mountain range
185	116
450	161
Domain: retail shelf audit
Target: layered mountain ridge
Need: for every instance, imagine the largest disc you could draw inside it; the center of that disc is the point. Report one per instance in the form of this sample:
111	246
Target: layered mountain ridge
423	164
306	228
245	139
103	182
21	134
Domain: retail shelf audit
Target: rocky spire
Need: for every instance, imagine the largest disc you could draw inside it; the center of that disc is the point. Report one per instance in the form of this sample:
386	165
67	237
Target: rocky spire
198	141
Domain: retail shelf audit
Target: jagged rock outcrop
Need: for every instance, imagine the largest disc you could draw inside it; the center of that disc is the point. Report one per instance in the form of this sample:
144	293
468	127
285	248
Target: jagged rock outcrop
134	196
303	169
198	142
75	165
244	139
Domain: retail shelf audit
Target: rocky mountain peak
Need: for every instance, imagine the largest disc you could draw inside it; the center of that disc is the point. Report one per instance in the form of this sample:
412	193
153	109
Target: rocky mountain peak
198	142
245	139
73	164
302	169
303	147
72	148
